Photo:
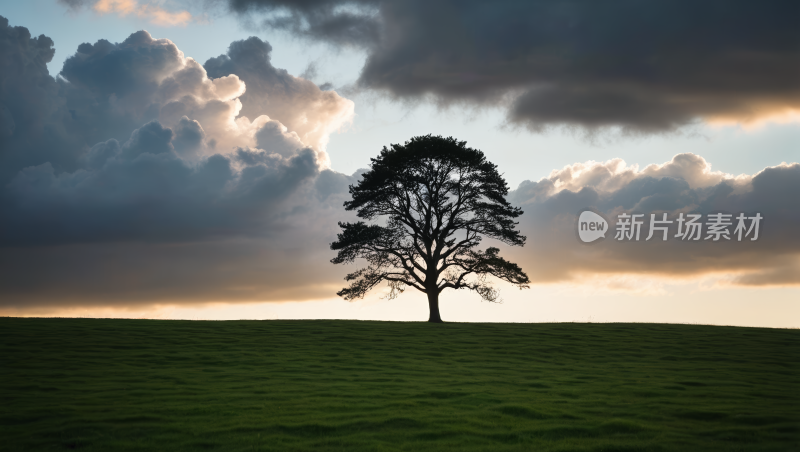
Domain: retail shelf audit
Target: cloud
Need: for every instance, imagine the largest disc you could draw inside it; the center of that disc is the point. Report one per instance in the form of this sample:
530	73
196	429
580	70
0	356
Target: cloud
140	176
142	78
615	173
178	239
642	67
686	184
131	274
35	118
785	274
135	178
351	22
186	243
143	190
107	90
150	11
297	103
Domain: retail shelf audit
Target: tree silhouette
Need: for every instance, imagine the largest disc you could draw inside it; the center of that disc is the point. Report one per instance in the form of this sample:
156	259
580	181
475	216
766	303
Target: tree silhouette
437	199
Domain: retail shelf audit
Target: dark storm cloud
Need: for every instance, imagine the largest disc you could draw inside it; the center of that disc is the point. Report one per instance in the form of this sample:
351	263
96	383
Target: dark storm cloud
351	22
686	184
135	65
34	118
288	260
141	274
141	190
47	119
134	179
294	5
76	4
645	66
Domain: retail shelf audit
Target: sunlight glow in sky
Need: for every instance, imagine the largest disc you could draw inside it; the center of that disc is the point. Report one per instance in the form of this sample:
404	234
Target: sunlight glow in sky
207	264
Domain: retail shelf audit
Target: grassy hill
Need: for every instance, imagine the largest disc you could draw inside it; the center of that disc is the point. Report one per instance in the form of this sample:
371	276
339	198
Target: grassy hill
119	385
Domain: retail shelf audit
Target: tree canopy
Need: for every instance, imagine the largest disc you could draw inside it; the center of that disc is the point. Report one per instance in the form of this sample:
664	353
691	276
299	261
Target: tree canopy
436	199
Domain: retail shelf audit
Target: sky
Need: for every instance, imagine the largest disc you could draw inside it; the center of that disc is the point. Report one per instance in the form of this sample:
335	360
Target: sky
168	159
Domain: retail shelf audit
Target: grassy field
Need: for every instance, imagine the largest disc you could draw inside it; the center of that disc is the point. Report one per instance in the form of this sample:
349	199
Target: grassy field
119	385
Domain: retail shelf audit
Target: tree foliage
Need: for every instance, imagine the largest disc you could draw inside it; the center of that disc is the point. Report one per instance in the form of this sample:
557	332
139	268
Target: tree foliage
437	199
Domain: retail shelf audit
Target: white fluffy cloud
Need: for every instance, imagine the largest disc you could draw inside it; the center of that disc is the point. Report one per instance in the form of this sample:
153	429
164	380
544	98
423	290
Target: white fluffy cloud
614	174
685	184
158	82
313	114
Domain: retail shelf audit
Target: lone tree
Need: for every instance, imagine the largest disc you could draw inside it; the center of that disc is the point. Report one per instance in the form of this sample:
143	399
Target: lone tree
438	199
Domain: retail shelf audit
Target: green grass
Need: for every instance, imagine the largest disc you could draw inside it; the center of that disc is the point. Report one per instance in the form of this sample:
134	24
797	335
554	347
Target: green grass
118	385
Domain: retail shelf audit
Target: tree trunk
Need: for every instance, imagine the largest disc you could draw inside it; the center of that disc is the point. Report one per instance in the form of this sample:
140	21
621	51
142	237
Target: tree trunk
433	304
